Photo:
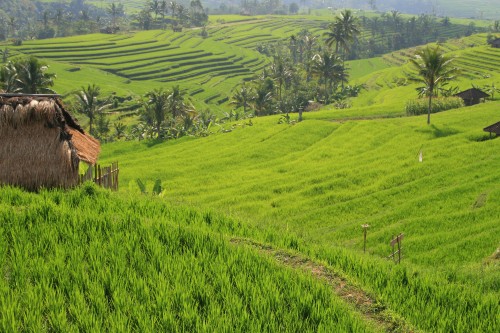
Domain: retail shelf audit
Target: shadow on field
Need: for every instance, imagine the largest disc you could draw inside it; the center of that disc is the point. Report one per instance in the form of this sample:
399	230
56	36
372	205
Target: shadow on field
437	132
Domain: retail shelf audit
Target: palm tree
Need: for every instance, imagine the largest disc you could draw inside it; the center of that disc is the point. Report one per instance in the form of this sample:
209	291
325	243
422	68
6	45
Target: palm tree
263	97
8	77
176	105
350	27
242	97
335	35
281	73
89	104
158	102
433	69
330	69
343	31
173	7
32	77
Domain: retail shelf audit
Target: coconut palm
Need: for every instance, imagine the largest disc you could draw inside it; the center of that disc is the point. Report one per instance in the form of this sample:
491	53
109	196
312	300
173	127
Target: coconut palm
89	104
175	101
159	104
281	73
343	31
8	77
263	97
328	66
32	77
242	97
433	69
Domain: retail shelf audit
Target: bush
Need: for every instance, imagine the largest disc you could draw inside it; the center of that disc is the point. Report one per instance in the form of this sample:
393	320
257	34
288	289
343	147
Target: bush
419	106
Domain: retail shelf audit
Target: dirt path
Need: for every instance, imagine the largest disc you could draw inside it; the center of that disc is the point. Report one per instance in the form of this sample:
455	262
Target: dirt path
372	310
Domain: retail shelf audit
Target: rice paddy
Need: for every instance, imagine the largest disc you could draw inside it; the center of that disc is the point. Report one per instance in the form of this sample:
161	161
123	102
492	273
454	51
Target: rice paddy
212	251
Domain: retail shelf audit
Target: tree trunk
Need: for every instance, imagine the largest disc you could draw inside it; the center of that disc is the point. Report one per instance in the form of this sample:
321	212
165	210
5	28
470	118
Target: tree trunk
429	109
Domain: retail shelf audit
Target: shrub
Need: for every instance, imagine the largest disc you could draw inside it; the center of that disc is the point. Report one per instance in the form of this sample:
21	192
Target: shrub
419	106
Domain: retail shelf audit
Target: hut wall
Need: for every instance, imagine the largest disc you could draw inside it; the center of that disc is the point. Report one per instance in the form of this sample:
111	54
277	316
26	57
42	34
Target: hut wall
33	155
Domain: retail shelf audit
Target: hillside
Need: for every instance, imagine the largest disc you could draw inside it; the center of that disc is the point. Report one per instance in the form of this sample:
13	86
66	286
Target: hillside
206	68
259	225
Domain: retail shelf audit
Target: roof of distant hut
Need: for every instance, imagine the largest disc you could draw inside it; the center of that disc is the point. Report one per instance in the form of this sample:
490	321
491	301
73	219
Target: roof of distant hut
495	42
495	128
472	93
41	143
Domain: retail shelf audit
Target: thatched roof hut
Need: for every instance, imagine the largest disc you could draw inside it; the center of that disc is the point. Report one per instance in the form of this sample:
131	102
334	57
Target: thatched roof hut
472	96
495	128
41	145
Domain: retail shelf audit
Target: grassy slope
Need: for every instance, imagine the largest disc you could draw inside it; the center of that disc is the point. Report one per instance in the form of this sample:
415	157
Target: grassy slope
88	261
310	186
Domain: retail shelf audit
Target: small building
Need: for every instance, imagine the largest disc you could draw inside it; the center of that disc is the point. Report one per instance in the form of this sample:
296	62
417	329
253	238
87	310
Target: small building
495	128
41	144
472	96
495	43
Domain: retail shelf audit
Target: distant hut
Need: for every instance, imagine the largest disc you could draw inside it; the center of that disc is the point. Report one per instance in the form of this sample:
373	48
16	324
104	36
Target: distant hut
495	43
472	96
41	145
495	128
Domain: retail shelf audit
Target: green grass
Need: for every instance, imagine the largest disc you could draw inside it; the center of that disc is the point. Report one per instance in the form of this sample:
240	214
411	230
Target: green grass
320	180
86	260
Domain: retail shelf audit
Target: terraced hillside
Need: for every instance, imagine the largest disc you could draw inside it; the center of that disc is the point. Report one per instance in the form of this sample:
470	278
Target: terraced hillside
207	69
160	57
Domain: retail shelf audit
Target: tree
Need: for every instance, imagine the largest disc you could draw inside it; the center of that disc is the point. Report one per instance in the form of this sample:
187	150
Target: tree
158	102
330	69
293	8
115	11
433	69
32	77
8	77
89	104
343	31
176	105
281	74
263	97
242	97
173	7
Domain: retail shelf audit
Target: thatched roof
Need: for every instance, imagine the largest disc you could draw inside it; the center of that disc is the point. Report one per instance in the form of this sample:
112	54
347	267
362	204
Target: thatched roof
472	93
495	128
41	145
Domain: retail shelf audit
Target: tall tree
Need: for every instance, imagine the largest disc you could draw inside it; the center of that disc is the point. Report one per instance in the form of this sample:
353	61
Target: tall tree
433	69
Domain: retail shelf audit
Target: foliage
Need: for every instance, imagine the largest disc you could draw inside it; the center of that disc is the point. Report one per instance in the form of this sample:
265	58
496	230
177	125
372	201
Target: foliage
421	106
26	75
92	107
433	70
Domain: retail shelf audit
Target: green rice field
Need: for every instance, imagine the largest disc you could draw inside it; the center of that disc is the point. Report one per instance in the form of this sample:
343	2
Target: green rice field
258	227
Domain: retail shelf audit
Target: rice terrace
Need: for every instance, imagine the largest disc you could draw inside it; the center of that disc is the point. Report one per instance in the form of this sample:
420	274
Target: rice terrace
249	166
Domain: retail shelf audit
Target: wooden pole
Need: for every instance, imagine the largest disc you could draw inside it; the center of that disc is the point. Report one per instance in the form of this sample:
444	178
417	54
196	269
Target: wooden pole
365	227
